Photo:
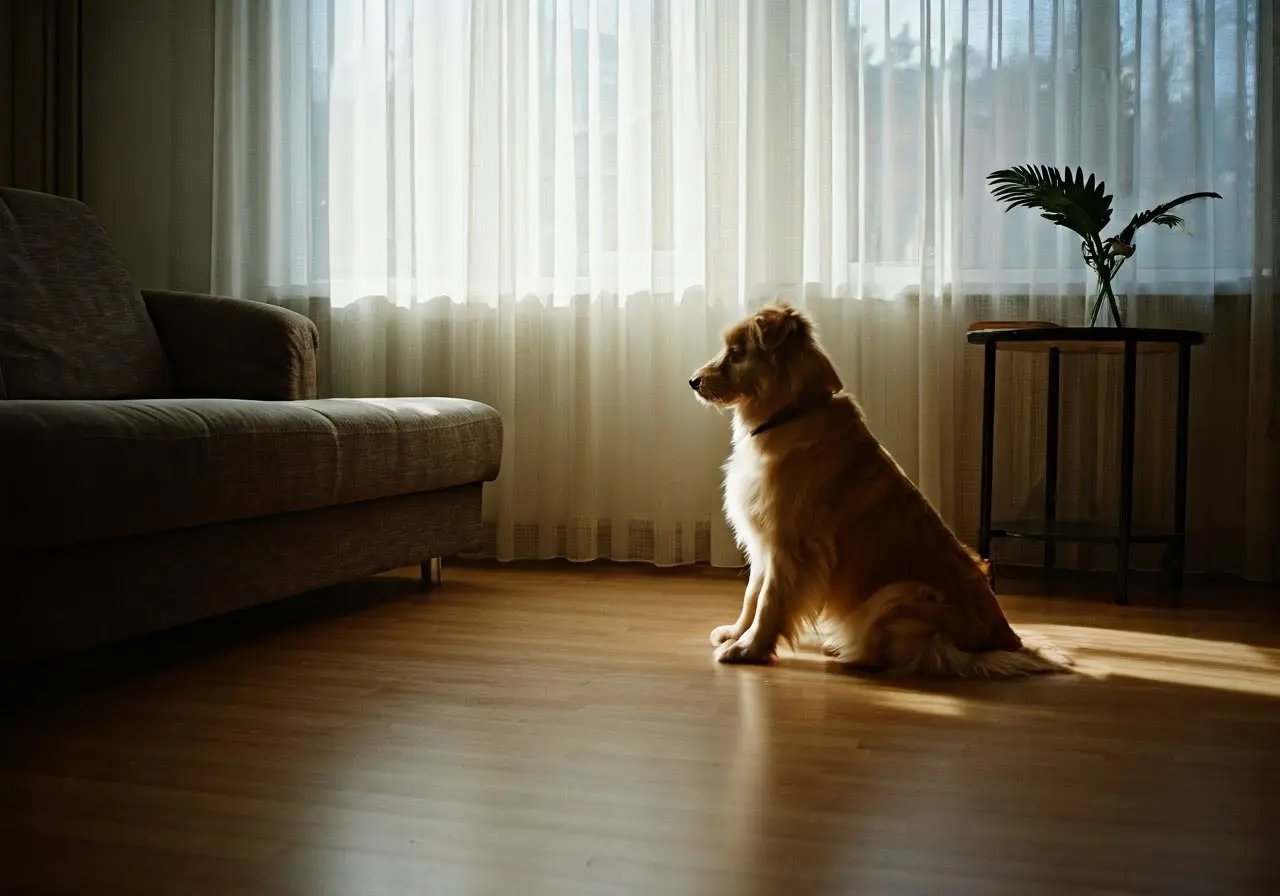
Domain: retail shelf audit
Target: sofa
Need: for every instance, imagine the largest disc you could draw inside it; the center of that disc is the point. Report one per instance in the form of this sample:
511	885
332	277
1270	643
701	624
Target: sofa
164	457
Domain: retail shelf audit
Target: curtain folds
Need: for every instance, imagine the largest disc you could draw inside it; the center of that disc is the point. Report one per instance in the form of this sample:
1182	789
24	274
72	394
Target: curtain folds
40	95
555	206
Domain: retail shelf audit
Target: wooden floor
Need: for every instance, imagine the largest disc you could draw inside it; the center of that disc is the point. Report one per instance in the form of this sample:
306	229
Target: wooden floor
564	730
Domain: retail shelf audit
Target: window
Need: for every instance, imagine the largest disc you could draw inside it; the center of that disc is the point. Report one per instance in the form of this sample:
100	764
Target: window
902	112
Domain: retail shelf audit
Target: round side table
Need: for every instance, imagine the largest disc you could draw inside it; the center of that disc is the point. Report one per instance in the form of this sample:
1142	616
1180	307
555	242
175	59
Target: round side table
1055	340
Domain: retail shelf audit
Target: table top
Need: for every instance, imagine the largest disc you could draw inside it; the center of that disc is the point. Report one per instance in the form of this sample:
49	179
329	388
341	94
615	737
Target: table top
1043	335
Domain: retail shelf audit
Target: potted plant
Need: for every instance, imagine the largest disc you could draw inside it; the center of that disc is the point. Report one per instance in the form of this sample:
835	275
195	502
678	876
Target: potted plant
1084	207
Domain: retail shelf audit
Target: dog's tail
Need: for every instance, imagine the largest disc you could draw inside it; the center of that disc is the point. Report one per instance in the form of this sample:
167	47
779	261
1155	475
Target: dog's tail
938	656
892	630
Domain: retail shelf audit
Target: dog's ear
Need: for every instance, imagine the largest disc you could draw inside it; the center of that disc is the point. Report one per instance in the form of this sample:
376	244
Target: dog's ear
784	332
827	372
778	325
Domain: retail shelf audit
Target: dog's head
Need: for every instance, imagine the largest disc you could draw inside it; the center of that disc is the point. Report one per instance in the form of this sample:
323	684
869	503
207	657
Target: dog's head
770	359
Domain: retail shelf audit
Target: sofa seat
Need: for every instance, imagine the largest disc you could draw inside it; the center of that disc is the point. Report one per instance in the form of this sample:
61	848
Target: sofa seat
77	471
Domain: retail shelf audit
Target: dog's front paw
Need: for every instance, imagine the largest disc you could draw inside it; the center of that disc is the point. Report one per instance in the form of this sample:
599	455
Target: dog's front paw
743	652
723	633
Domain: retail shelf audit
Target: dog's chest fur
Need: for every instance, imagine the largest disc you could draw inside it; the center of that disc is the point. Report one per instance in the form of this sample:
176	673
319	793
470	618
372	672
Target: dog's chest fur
745	492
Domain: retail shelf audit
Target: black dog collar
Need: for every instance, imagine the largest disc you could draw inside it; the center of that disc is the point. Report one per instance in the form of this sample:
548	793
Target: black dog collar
786	415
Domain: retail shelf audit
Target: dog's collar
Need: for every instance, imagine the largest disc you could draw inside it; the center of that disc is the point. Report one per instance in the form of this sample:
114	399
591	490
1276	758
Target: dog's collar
793	412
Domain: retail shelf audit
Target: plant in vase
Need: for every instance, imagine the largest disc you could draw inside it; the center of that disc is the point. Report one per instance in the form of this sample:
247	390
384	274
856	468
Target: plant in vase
1069	201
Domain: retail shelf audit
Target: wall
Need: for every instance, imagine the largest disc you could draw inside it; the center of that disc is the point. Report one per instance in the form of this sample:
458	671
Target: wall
148	134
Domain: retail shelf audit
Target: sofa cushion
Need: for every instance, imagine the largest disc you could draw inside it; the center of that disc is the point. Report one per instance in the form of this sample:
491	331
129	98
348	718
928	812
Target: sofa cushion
72	322
76	471
394	446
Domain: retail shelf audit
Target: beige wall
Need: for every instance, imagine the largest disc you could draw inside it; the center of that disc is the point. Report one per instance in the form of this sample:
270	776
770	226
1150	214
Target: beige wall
148	134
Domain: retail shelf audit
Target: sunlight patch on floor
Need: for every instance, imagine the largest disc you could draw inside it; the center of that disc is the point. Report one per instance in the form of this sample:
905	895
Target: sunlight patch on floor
1168	659
917	701
1102	653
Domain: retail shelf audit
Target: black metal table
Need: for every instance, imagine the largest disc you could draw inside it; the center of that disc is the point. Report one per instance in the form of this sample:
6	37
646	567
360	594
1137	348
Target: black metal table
1057	340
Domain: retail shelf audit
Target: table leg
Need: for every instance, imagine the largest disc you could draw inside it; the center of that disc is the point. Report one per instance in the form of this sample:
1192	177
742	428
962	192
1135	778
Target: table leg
988	445
432	572
1178	547
1128	423
1051	462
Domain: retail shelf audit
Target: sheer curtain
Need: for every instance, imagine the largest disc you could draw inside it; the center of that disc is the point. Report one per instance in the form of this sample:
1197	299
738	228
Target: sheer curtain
554	206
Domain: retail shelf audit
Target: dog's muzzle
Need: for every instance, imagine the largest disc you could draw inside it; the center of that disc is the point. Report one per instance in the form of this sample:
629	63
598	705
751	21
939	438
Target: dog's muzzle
695	383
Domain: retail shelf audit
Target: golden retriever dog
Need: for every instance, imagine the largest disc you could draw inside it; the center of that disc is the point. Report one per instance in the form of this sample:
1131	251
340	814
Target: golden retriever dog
840	541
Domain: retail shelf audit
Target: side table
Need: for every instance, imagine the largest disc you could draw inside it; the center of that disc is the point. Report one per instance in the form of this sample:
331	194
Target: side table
1055	340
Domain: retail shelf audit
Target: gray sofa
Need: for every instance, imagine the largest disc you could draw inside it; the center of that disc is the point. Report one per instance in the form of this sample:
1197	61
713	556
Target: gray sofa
164	458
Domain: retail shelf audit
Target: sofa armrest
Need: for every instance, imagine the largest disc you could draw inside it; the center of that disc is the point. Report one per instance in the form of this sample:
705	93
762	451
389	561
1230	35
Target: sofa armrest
233	348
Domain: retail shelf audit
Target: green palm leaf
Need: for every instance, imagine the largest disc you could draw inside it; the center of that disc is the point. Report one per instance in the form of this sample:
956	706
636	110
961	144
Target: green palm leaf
1160	215
1063	197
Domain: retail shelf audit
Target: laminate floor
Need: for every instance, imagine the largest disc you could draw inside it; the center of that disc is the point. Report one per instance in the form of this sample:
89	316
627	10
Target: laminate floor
564	730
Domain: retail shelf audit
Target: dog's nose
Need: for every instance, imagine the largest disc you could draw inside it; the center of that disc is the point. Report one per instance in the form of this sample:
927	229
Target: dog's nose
693	383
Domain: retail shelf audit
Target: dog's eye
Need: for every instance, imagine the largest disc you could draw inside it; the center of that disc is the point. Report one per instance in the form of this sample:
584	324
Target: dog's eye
735	353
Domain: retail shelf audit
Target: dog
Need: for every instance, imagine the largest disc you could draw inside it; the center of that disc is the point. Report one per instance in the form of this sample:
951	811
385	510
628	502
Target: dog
840	541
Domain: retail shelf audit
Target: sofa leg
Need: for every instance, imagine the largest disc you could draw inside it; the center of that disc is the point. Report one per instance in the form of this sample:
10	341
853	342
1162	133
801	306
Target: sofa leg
433	572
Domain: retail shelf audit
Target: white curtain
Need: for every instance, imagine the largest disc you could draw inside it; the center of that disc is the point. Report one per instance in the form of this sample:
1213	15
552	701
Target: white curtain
554	206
